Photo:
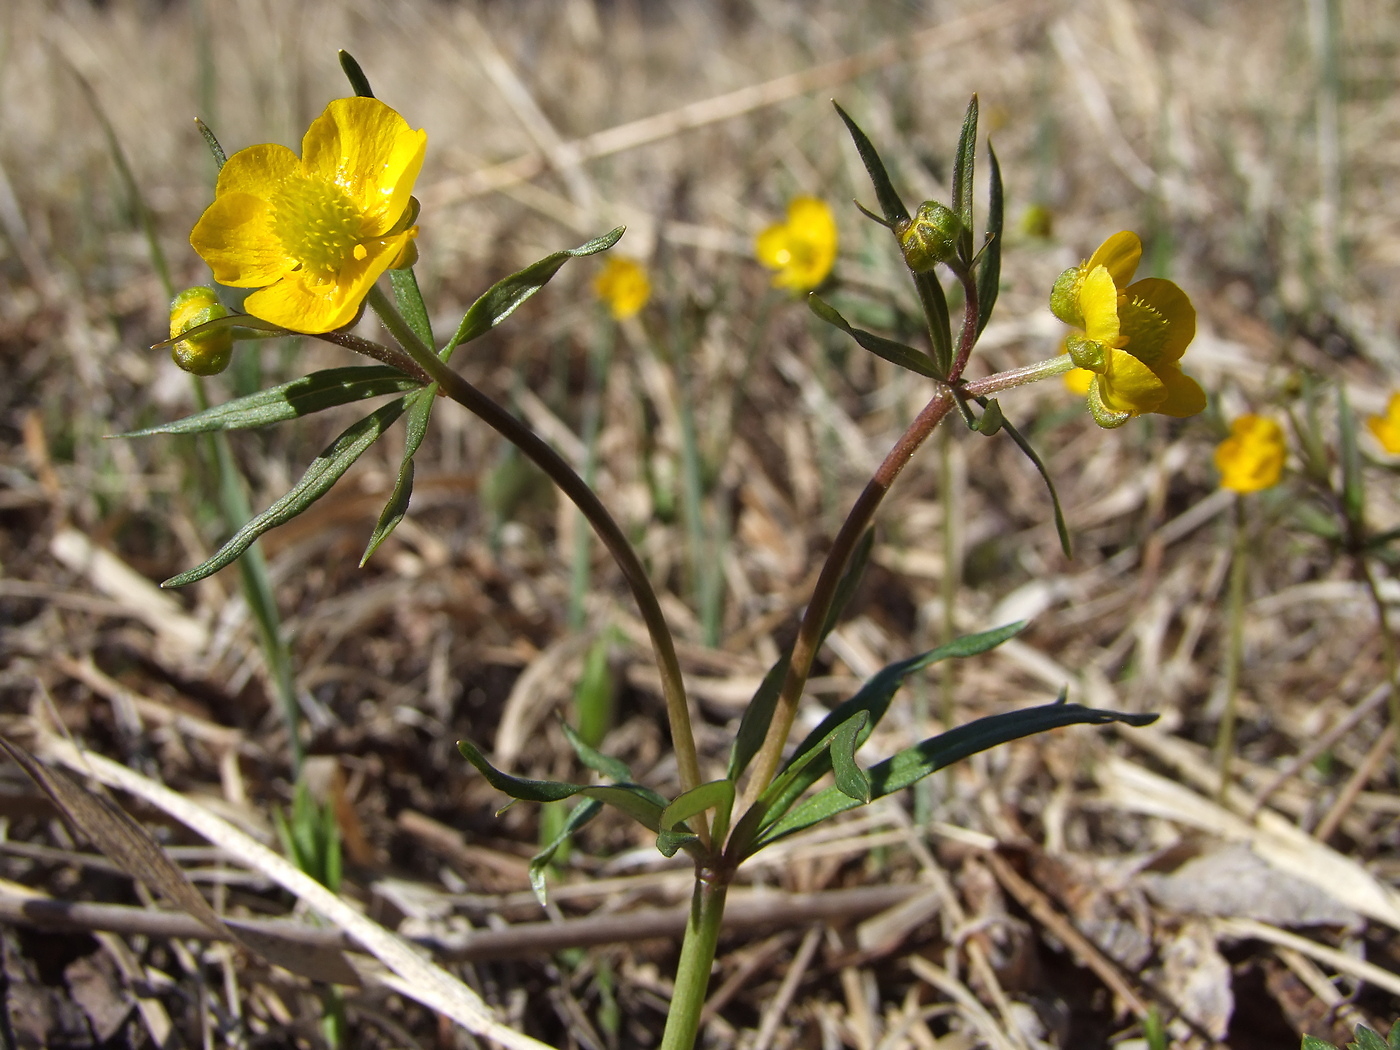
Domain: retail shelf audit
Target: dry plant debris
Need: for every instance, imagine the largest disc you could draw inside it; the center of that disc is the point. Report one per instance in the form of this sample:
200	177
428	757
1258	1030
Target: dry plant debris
1053	893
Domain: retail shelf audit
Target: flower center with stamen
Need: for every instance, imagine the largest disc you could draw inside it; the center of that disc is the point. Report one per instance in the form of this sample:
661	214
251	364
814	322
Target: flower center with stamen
319	226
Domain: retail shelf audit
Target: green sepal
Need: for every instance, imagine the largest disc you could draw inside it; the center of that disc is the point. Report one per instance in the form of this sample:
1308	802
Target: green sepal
1353	495
1086	353
891	351
359	83
301	397
502	298
989	261
913	764
1061	529
811	761
540	862
759	714
716	794
963	162
1103	415
324	472
220	157
890	204
640	803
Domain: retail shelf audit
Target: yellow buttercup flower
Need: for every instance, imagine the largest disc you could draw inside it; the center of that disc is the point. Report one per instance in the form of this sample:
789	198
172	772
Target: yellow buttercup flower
803	248
1386	428
1252	457
313	234
207	354
1131	336
624	286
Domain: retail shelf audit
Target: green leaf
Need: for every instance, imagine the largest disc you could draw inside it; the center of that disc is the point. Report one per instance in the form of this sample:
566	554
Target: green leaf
502	298
913	764
300	397
359	83
1352	492
1025	446
409	300
963	163
935	307
250	328
595	759
420	409
716	794
850	779
837	750
890	204
759	714
895	353
989	266
1367	1039
642	804
873	699
1394	1038
539	863
1312	1042
324	472
669	842
992	419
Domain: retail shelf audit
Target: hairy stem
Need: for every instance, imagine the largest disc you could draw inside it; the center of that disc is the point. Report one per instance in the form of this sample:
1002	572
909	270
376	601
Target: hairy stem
583	497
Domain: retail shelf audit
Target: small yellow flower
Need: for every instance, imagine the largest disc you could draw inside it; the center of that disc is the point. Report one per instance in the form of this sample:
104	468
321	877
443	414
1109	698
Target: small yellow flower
204	355
314	234
624	286
1252	457
1131	336
802	249
1386	428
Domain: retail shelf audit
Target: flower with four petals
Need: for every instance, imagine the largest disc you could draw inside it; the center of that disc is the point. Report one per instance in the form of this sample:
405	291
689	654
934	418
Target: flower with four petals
314	233
1131	336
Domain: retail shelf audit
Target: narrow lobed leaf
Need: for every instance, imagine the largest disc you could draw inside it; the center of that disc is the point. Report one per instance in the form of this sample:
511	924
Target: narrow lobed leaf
409	300
540	862
716	794
301	397
419	409
324	472
963	163
217	151
595	759
890	204
1061	529
891	351
989	266
935	307
359	83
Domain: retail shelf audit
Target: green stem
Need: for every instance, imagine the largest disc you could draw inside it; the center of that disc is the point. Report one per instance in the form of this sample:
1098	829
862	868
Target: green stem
1234	653
697	957
559	471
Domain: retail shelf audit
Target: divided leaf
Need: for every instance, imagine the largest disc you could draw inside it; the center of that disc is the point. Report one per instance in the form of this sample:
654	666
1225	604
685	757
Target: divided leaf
324	472
893	352
301	397
913	764
539	863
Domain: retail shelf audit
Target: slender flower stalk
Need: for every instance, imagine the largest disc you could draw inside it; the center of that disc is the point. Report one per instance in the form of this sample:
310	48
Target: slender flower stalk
548	460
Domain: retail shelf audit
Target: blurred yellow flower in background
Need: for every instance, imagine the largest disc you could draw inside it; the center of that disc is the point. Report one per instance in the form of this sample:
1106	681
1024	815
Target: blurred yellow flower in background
314	234
803	248
1252	457
624	286
1386	428
1131	336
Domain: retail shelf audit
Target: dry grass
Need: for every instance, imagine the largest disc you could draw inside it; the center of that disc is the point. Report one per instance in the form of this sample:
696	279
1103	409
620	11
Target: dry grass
1052	888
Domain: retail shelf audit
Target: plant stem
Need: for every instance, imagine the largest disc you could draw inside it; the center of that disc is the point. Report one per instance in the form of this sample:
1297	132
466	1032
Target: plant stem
697	956
1234	652
548	460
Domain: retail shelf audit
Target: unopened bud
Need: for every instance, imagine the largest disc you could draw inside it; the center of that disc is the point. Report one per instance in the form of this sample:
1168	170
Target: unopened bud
207	354
930	237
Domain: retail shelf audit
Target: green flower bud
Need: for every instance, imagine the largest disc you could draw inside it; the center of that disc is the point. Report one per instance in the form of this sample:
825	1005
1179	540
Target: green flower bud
1064	297
207	354
1087	353
930	238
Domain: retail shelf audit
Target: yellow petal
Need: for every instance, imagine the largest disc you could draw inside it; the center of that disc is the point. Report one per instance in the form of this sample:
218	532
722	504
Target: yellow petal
1119	255
1177	314
1078	380
1098	303
258	170
370	152
1386	428
771	247
305	303
1129	385
234	236
1184	395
